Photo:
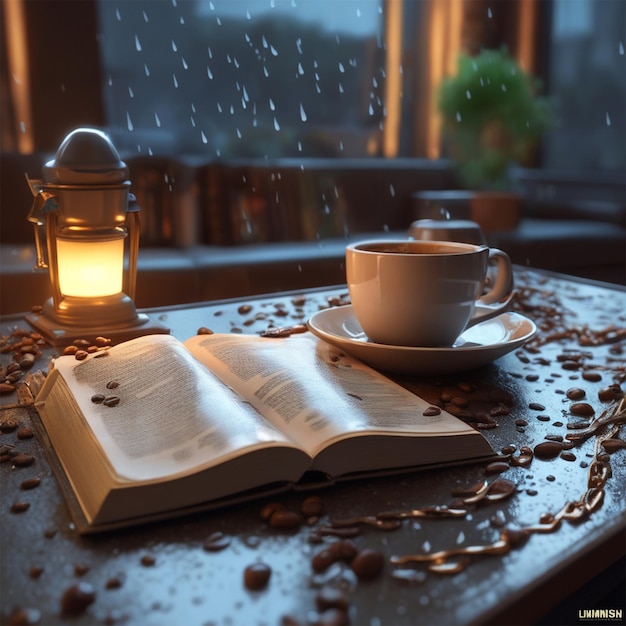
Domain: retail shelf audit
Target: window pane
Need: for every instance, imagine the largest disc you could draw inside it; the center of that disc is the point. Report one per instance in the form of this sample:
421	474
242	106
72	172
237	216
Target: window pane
245	78
588	82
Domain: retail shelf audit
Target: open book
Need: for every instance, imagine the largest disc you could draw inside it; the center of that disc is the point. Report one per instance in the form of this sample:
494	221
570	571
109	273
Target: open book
225	416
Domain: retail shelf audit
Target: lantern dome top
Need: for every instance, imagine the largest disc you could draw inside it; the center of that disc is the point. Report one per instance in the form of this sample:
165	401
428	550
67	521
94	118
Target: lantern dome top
86	157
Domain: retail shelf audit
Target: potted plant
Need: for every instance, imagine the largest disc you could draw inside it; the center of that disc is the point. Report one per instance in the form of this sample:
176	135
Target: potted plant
492	119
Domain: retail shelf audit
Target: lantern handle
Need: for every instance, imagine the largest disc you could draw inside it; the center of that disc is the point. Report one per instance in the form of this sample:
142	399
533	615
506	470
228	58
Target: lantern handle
43	203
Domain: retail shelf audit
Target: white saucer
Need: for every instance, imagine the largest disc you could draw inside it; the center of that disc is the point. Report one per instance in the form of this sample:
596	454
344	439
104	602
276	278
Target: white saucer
478	345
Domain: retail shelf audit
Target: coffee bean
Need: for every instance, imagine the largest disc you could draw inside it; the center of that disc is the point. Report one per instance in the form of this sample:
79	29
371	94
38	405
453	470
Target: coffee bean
269	509
25	433
581	408
575	393
30	483
23	459
112	384
592	377
568	456
311	506
285	520
257	576
147	560
70	350
535	406
111	401
203	330
548	450
27	360
612	445
496	467
20	507
35	572
81	355
610	393
324	559
77	598
368	564
216	541
431	411
244	309
6	389
98	398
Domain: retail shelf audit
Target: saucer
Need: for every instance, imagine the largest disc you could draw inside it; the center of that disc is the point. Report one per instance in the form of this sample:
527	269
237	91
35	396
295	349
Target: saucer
478	345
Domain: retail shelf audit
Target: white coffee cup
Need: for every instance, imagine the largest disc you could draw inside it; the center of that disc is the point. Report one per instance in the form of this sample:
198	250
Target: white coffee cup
423	293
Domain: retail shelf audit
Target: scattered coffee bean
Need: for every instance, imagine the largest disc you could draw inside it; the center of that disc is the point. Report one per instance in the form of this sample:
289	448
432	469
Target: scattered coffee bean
111	401
593	377
6	389
77	598
70	350
581	408
270	508
610	393
25	433
98	398
368	564
431	411
324	559
568	456
496	468
20	507
147	560
115	582
23	459
30	483
81	355
535	406
112	384
612	445
203	330
35	572
575	393
311	506
80	569
548	450
257	576
216	541
244	309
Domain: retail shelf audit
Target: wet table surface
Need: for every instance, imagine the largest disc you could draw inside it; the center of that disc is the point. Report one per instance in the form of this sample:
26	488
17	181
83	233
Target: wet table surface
560	519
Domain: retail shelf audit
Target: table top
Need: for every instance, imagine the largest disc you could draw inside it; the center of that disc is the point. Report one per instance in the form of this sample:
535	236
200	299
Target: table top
556	516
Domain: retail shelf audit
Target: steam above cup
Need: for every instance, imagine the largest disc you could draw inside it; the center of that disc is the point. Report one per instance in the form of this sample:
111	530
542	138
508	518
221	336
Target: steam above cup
423	293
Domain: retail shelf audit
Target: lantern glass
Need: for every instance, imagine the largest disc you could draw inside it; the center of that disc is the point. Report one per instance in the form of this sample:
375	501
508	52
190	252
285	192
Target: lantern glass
89	268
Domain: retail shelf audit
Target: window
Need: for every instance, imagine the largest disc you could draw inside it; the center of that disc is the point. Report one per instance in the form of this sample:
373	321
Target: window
300	78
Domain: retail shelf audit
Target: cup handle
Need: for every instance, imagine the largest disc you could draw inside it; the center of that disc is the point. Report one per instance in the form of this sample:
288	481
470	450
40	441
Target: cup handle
498	298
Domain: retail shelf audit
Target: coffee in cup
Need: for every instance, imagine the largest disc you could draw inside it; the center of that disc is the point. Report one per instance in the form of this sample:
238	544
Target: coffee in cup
423	293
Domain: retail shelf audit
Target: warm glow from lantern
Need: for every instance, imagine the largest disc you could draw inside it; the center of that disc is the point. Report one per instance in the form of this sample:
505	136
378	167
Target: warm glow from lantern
90	268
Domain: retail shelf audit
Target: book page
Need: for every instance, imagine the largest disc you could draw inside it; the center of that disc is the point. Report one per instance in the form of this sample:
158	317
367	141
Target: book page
314	392
172	415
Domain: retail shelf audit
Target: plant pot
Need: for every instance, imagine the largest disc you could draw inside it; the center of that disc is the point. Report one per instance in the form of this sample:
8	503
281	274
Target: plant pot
493	211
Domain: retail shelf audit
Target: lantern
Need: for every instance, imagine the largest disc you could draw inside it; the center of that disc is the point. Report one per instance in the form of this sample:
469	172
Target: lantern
90	220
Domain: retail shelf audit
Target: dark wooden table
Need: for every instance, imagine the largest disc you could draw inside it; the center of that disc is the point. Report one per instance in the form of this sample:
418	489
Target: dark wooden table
571	374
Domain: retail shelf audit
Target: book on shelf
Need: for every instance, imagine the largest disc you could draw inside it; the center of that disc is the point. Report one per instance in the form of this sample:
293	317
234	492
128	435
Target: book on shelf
222	418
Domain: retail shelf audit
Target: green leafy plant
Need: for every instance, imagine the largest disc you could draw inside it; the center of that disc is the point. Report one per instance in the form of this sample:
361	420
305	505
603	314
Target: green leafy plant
492	117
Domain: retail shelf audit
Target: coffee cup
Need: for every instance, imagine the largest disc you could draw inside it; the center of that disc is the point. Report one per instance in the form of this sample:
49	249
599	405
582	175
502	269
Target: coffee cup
424	293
